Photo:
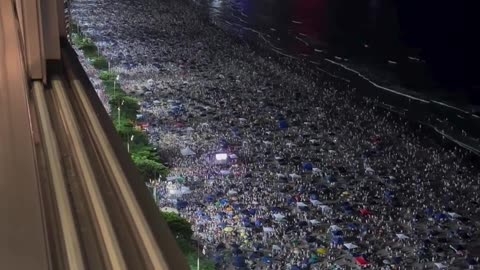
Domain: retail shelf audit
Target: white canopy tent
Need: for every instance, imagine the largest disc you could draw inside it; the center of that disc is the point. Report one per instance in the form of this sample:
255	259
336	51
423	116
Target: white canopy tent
334	228
314	222
187	152
315	202
402	236
441	265
268	229
301	204
350	246
294	176
453	215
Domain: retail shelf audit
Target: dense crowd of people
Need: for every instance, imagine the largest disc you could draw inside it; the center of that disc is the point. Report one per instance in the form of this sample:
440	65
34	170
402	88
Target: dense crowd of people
275	166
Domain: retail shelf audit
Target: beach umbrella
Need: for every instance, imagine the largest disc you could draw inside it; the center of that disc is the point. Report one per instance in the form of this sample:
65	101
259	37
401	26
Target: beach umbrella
321	251
402	236
313	259
365	212
228	229
361	261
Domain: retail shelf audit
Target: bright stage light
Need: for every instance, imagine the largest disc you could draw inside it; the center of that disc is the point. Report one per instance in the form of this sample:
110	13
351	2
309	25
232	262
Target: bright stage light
221	157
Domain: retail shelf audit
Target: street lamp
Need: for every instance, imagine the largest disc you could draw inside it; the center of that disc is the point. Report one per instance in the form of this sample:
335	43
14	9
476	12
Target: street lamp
119	111
128	143
115	82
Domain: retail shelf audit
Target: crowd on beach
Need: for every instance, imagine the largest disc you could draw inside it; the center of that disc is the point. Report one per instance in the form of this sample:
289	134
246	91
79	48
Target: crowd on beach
278	167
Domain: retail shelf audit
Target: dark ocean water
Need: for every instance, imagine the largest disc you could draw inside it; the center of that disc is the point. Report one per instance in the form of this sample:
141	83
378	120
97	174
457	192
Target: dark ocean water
421	47
418	59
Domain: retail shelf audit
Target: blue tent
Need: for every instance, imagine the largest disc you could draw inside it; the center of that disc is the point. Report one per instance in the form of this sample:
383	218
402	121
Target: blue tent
295	268
337	241
283	124
181	204
276	209
267	260
218	259
388	194
245	212
252	211
223	202
352	226
337	233
210	199
239	261
237	206
440	217
308	167
291	200
236	132
258	223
